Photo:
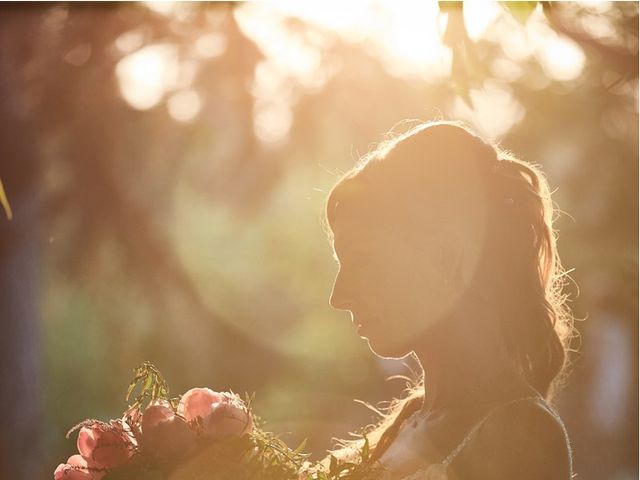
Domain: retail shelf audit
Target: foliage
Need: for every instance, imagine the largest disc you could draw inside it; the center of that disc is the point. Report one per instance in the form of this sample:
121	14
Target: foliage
152	385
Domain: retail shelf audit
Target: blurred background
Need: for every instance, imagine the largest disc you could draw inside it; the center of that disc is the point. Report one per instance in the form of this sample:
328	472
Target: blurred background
166	166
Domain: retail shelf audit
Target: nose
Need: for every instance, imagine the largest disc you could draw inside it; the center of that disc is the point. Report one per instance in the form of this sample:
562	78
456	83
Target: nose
339	299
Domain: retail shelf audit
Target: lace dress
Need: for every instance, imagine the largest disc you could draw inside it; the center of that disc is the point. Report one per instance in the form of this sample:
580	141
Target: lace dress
438	471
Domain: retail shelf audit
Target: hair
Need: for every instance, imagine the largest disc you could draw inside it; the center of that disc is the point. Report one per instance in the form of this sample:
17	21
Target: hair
446	168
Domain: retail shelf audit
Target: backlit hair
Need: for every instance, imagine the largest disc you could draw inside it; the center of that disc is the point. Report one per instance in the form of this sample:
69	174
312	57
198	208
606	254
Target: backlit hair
444	167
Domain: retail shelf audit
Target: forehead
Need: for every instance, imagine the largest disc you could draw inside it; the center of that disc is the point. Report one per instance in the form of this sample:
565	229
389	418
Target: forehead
381	216
353	234
363	233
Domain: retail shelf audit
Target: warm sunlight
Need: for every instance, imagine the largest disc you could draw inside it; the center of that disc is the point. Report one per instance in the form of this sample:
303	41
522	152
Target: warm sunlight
407	37
406	33
479	16
179	174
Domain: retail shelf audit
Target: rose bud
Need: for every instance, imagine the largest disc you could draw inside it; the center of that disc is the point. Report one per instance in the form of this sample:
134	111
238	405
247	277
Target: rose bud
106	445
198	402
164	434
228	419
78	468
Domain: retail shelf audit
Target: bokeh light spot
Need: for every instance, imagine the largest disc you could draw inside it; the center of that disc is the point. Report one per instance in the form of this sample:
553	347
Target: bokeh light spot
211	45
78	55
144	76
184	106
561	58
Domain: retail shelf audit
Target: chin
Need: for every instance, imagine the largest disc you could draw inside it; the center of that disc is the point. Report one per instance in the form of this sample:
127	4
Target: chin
385	350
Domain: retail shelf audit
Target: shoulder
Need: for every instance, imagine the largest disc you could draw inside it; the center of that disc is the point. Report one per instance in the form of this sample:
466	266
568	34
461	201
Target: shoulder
522	440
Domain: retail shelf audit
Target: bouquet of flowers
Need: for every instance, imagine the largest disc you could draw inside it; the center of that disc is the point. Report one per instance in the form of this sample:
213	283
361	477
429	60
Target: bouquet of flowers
202	435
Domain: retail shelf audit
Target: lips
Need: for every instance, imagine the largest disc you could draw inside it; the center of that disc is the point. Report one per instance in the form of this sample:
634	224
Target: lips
363	322
363	325
357	324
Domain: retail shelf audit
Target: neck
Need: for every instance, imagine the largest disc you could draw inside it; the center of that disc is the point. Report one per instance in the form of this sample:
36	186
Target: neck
465	370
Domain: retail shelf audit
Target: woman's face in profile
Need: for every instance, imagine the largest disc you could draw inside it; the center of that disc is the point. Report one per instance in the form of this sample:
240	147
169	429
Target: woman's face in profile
394	287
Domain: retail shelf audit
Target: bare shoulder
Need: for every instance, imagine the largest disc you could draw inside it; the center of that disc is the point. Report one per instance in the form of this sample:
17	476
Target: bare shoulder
523	440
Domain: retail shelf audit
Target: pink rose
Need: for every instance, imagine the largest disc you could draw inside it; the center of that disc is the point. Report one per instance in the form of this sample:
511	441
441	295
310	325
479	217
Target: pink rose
222	414
198	402
164	434
78	468
229	419
107	445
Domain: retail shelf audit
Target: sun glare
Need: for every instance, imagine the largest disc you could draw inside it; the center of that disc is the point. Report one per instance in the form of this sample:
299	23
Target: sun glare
406	32
479	15
405	35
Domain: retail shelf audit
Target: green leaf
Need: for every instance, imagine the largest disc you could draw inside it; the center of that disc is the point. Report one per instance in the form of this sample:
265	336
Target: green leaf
300	447
152	385
447	7
5	202
365	449
521	11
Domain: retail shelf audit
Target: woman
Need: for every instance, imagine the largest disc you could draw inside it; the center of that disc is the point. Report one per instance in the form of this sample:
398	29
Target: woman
446	251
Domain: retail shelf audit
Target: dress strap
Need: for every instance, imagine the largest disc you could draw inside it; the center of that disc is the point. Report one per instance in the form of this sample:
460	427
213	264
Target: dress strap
447	461
438	471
